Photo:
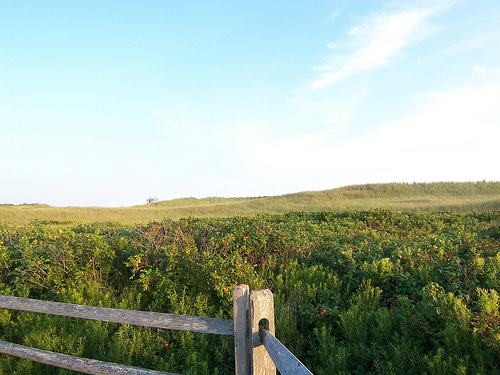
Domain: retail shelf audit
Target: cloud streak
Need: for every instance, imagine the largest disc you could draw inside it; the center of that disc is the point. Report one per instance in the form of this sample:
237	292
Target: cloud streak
375	43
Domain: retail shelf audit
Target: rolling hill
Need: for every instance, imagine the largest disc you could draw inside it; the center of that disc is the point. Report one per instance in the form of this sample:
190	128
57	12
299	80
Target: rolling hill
415	197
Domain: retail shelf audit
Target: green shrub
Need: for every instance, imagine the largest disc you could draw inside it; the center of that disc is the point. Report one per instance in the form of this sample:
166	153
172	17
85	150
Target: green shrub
356	292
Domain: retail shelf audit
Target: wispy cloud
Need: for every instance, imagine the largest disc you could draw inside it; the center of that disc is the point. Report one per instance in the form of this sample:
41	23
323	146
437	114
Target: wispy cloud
376	42
480	69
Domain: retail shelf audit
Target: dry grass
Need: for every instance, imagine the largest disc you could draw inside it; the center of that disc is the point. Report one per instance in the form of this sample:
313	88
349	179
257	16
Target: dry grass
450	197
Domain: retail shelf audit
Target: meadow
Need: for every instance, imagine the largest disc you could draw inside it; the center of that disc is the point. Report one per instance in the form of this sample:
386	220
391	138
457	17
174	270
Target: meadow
358	291
416	197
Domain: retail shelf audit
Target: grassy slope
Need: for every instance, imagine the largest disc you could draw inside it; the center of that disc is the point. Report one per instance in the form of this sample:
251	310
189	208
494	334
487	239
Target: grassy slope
419	197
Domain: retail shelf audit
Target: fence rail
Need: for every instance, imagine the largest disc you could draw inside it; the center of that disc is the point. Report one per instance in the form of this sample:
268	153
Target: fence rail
137	318
69	362
257	351
285	361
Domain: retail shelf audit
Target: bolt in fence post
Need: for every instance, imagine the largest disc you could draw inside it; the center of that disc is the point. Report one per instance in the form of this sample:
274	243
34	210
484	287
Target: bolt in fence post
242	330
261	309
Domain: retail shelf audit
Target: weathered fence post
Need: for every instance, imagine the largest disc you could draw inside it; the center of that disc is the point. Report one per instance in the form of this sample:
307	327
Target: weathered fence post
261	312
242	330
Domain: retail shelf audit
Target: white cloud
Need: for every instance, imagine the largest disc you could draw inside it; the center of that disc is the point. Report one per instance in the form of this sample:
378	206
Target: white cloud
452	136
480	69
376	42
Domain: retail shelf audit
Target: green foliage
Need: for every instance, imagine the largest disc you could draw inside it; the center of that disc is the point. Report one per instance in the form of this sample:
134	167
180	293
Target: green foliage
356	292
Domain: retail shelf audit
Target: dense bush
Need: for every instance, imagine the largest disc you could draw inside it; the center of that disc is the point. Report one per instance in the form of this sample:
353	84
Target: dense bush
356	292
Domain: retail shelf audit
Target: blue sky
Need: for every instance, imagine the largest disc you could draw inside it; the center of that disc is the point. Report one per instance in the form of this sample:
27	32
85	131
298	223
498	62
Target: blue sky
105	103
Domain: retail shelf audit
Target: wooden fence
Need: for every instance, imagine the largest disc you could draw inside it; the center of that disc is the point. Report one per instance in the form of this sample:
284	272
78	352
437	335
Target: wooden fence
257	351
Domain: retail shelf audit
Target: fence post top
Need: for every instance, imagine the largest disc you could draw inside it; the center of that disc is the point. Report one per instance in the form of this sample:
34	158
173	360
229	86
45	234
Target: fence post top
242	287
261	294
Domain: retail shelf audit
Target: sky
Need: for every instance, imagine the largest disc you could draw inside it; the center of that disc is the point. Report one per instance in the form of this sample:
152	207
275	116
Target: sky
106	103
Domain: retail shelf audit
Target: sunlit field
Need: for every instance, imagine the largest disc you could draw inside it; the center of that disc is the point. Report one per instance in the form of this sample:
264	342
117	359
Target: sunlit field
424	197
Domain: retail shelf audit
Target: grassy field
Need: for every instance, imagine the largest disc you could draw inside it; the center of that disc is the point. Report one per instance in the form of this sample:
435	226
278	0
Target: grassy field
416	197
367	279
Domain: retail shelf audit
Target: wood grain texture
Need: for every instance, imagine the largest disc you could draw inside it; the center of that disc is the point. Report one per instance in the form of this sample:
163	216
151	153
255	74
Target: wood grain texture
285	361
262	307
242	330
69	362
138	318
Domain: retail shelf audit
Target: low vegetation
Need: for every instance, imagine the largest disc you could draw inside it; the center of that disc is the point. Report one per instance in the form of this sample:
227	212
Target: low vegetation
356	292
417	197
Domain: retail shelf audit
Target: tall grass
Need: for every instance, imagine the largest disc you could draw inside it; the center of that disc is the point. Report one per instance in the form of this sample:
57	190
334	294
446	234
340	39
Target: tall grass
416	197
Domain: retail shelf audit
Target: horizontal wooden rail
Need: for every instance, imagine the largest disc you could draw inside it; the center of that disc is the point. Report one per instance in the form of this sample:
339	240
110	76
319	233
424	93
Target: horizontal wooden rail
256	351
138	318
284	360
69	362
